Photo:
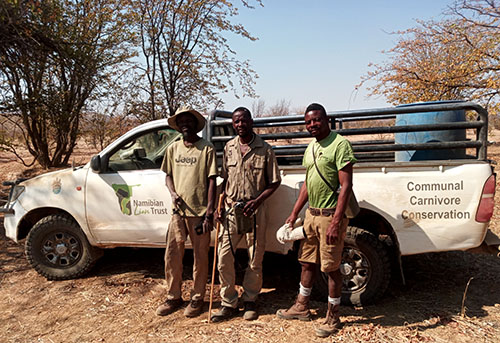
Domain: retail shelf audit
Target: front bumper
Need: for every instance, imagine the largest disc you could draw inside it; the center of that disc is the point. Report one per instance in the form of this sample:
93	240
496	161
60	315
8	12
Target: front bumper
13	214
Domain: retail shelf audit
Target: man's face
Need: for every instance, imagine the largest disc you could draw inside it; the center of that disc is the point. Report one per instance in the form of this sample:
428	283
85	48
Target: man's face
242	124
316	123
187	123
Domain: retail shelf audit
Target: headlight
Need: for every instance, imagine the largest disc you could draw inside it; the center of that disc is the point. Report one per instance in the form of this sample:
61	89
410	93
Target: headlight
15	192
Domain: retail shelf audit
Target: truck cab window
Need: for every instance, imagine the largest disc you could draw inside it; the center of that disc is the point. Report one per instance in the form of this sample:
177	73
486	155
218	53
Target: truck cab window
143	152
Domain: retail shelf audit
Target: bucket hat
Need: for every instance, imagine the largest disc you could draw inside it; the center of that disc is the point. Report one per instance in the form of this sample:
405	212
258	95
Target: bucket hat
172	121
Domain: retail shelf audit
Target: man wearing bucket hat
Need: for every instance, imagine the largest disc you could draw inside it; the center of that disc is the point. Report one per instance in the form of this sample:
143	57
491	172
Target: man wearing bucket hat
251	175
191	169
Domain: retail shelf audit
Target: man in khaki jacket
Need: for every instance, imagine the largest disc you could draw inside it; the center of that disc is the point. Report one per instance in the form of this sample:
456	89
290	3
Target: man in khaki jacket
191	170
251	175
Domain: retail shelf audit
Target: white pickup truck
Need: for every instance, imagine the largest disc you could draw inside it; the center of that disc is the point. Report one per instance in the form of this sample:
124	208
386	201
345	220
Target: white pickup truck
437	196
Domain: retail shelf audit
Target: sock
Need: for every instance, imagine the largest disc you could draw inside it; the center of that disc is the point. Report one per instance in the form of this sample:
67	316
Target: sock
304	291
334	301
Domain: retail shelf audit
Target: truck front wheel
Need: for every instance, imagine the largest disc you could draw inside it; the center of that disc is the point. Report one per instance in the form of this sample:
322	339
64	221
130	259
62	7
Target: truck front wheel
365	268
57	248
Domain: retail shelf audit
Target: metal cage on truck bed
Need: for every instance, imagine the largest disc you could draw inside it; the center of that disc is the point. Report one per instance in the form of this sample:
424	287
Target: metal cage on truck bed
372	132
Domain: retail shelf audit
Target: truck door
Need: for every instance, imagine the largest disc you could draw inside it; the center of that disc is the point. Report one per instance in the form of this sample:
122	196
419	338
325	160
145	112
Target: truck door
129	204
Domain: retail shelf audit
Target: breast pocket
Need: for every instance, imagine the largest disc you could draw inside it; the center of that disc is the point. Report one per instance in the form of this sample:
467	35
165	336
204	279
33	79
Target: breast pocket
231	162
231	166
256	167
327	163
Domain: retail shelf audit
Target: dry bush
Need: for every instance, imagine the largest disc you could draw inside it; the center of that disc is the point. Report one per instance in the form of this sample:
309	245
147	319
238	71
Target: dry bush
98	130
494	122
281	108
372	123
10	133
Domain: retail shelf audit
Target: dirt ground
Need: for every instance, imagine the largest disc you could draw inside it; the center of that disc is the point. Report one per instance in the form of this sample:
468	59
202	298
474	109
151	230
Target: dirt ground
116	302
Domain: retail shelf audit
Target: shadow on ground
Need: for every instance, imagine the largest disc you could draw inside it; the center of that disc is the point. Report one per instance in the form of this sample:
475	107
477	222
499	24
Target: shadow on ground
435	285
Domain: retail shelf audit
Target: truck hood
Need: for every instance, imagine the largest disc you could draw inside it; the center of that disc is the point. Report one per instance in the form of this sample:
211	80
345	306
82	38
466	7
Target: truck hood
59	189
63	173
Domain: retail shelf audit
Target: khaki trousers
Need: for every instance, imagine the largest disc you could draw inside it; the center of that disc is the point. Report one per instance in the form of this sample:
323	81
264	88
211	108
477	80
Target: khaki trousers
174	253
252	282
313	249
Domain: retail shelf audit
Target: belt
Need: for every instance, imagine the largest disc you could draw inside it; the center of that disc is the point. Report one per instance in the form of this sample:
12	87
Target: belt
325	212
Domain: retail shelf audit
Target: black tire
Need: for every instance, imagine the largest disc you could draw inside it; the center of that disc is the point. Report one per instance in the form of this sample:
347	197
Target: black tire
366	269
57	248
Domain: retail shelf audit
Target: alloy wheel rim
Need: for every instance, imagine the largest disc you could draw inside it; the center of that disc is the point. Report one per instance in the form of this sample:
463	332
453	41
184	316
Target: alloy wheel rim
356	270
61	249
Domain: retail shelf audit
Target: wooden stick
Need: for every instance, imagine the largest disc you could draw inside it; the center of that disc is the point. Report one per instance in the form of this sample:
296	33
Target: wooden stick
462	311
217	227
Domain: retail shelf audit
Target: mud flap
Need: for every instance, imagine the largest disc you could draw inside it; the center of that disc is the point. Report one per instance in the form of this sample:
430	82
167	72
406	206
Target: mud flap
490	245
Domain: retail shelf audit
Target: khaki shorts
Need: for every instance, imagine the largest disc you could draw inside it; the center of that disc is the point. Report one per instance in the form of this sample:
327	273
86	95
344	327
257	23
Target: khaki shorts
313	249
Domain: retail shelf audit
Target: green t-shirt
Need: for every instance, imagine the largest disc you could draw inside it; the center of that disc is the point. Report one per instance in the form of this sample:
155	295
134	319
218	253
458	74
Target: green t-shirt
190	168
332	154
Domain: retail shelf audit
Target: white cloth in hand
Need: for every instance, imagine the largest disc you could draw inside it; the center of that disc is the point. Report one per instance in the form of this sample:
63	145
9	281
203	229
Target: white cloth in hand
288	233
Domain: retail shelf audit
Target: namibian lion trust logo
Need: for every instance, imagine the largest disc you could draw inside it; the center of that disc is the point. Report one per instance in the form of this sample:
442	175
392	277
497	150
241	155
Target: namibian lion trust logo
135	207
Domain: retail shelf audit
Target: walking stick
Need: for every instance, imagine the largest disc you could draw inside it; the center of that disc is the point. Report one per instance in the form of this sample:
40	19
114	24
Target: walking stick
217	226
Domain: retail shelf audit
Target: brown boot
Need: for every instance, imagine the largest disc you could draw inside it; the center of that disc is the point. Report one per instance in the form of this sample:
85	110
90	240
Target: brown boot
194	308
168	307
299	310
250	311
332	322
224	313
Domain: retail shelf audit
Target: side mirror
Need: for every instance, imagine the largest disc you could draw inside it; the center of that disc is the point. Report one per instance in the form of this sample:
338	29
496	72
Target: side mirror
95	163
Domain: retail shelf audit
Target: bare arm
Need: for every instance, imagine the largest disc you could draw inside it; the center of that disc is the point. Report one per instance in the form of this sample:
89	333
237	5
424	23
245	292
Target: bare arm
212	188
209	216
345	180
176	199
252	205
218	215
299	204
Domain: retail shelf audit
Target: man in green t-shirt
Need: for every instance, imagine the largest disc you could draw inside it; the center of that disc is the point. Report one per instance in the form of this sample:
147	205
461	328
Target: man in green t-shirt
191	169
329	157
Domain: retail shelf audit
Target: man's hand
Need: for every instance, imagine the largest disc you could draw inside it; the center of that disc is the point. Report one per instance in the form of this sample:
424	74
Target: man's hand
176	199
333	233
218	216
250	207
207	224
291	219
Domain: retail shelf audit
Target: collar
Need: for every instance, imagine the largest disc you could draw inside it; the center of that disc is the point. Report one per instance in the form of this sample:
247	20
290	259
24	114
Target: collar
328	139
195	144
257	142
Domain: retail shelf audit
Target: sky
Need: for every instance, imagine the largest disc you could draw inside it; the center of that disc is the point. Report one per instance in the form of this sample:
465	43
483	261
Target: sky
318	50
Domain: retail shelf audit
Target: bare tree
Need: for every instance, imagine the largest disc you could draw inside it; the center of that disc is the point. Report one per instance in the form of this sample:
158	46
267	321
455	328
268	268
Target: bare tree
258	108
455	58
54	55
187	57
281	108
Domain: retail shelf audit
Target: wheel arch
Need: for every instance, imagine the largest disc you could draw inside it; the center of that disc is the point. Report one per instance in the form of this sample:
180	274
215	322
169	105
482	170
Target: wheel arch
375	223
32	217
380	226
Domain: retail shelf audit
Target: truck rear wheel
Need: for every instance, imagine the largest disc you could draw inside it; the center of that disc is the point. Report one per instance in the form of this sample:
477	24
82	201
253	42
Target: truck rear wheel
57	248
365	268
